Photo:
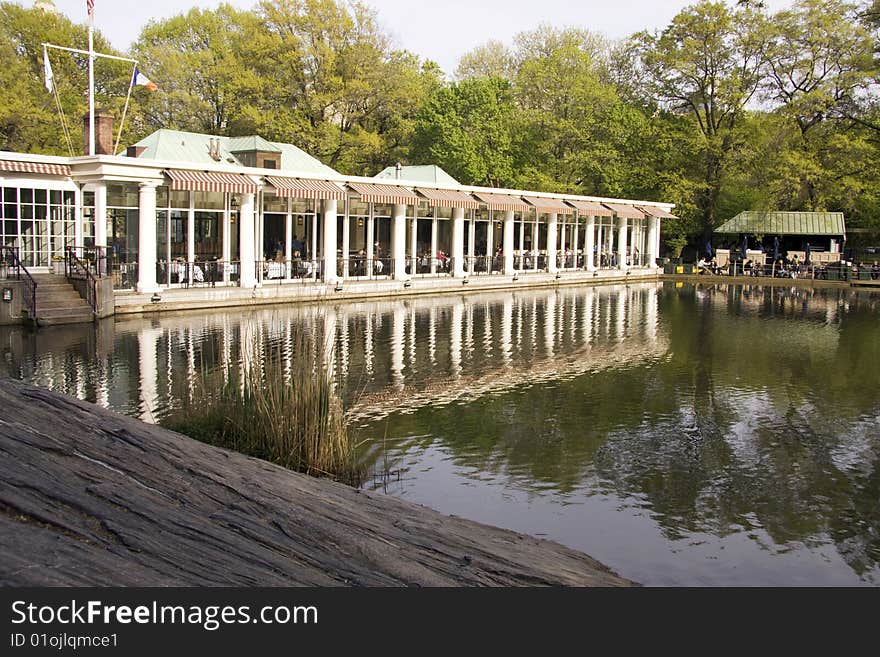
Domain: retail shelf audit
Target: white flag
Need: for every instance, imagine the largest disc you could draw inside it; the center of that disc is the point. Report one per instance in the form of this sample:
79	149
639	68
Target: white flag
47	70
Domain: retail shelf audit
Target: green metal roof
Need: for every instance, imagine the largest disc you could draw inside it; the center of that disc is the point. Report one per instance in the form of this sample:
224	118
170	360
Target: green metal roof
427	173
194	148
785	223
252	143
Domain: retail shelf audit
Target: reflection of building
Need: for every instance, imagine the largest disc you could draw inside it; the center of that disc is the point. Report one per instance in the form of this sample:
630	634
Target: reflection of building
182	208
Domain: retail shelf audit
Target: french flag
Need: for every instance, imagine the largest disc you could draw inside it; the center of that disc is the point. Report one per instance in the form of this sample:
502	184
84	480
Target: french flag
140	79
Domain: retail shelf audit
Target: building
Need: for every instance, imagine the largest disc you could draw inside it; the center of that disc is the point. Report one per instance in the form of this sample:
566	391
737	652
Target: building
183	209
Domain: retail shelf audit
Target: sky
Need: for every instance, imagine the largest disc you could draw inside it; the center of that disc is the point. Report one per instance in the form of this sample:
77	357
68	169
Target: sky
440	30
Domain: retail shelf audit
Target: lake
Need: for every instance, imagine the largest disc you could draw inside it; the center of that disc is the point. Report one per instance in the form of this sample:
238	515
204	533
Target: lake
683	435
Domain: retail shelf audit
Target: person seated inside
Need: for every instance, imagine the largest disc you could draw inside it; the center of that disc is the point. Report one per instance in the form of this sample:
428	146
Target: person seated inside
748	267
702	266
875	271
442	259
378	265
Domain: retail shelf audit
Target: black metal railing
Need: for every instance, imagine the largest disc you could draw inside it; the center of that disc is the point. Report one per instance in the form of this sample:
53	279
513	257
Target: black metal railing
11	268
359	267
92	258
296	270
80	274
124	275
427	266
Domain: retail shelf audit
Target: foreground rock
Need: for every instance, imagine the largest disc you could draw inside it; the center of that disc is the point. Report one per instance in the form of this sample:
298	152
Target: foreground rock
90	497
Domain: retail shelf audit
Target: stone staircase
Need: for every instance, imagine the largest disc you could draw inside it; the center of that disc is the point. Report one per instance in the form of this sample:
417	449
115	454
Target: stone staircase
58	302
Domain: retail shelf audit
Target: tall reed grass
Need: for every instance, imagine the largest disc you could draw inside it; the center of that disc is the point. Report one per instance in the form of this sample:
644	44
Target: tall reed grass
282	408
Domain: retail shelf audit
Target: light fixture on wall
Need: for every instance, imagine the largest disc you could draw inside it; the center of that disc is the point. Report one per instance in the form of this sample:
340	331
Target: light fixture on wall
360	222
233	202
299	220
7	294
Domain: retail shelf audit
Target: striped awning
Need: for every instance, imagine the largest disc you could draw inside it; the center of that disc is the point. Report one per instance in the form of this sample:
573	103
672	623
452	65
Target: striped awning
654	211
591	209
448	198
211	181
17	166
502	202
306	188
625	211
553	205
393	194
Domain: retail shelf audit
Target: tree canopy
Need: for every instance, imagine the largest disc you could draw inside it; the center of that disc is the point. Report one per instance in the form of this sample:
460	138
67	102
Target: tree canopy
727	108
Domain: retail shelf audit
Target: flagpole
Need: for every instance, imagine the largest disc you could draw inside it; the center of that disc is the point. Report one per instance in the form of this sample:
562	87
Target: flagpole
91	83
125	109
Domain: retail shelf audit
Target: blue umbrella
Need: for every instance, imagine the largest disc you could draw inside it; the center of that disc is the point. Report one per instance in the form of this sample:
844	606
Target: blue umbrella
776	248
807	255
709	249
745	245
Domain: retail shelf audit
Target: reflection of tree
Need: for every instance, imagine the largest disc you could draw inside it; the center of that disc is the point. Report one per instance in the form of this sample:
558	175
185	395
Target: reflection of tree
740	428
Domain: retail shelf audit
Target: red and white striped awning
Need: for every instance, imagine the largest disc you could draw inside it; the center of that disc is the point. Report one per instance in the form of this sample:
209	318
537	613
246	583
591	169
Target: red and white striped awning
591	209
211	181
654	211
306	188
625	211
448	198
502	202
552	205
16	166
392	194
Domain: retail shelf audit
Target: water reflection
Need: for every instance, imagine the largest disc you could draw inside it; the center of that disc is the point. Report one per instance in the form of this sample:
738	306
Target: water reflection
721	434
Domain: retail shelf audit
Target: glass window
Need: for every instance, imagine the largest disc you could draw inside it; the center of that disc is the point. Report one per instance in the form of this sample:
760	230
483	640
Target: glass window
210	200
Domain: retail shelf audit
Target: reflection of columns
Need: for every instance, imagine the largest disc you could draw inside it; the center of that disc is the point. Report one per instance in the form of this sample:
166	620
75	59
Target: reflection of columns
100	214
506	329
398	240
621	244
589	309
343	345
149	372
330	321
455	330
246	241
328	248
147	238
432	335
411	340
507	243
651	316
368	342
458	242
552	238
550	324
620	312
398	328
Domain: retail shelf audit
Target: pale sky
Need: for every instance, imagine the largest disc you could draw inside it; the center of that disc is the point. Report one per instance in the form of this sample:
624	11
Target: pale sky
441	30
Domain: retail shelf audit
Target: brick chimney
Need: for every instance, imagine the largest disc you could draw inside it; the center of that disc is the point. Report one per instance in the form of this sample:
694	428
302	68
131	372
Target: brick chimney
103	133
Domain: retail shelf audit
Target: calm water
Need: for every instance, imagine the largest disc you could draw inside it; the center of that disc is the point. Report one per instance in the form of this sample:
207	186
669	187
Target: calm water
717	435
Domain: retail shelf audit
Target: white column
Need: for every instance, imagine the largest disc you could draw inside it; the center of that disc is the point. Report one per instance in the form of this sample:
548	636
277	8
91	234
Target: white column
535	245
458	242
507	243
472	239
522	237
552	238
413	242
434	235
246	231
328	248
398	241
654	241
147	238
288	240
313	251
78	224
590	243
100	214
490	242
191	236
370	239
621	244
346	242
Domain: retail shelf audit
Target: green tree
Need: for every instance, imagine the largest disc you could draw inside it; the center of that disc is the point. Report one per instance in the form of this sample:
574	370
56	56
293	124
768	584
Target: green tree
29	118
707	65
467	128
